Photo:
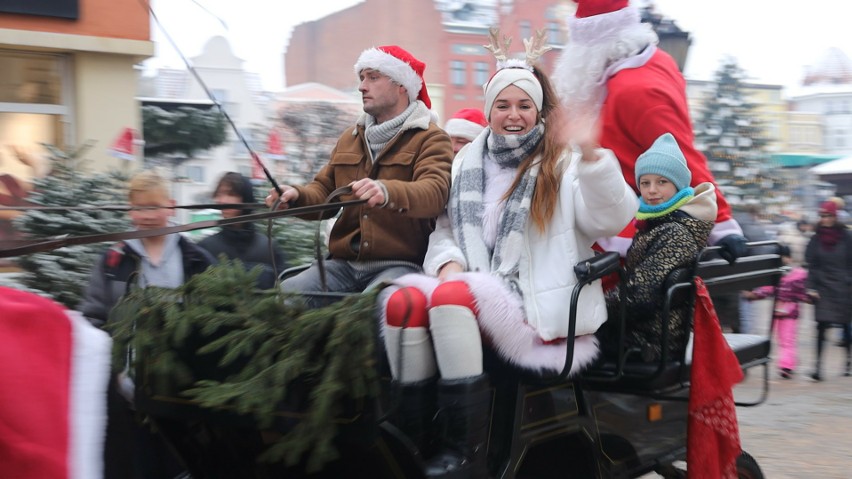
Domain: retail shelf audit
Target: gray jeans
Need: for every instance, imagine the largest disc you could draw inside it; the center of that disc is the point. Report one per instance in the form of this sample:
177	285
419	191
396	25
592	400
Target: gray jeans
344	276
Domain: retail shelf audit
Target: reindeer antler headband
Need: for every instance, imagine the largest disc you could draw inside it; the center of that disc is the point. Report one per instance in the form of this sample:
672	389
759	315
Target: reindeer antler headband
513	71
535	47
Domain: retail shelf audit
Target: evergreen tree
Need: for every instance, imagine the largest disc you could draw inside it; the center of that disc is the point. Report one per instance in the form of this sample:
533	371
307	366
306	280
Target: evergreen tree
729	133
316	126
174	136
62	274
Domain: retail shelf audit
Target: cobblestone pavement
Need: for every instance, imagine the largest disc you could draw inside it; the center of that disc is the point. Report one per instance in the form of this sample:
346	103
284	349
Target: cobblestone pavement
804	429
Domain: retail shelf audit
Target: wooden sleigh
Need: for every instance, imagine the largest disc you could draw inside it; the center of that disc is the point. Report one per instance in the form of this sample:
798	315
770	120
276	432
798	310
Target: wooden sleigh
617	419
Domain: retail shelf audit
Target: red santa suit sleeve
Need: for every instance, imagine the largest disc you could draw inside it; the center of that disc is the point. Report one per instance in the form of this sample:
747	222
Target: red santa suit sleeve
54	369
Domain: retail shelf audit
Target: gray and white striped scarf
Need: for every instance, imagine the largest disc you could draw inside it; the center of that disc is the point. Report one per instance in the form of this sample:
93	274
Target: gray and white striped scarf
379	134
467	209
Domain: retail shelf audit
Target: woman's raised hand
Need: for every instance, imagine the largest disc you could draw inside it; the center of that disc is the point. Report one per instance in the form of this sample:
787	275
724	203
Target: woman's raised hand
583	129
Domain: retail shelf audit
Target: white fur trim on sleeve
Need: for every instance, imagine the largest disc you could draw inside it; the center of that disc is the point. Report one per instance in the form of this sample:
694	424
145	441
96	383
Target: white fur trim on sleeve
90	366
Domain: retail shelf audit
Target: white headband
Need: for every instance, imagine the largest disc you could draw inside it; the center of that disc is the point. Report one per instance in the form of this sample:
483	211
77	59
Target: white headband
521	78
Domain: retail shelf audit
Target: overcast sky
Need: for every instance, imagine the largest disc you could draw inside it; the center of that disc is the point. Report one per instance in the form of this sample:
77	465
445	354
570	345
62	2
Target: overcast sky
772	40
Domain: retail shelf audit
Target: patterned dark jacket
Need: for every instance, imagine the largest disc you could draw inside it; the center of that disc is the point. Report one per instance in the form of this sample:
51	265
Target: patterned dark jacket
660	246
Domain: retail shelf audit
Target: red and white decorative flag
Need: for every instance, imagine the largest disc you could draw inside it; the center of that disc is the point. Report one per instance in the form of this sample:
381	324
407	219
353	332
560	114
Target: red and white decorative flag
124	146
54	370
274	151
713	435
274	148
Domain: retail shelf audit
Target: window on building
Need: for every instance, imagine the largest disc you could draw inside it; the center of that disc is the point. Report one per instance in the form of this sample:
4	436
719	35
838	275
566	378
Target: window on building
481	73
458	73
195	173
554	35
30	78
525	28
220	95
254	137
34	109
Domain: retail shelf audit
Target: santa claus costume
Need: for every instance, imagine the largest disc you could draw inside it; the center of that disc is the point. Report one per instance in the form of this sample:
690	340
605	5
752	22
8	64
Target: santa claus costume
612	70
54	369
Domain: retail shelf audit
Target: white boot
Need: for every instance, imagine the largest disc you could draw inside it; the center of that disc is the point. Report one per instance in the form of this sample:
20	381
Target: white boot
418	358
458	345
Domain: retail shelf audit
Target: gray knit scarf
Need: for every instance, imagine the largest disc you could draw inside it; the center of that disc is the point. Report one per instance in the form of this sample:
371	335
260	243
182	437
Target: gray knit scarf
378	135
467	208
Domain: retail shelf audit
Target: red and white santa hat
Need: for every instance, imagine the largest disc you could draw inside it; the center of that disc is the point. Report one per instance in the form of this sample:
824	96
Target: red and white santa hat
466	123
402	67
601	20
54	370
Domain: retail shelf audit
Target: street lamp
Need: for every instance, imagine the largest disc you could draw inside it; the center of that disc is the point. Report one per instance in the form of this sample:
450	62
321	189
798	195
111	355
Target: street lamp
673	40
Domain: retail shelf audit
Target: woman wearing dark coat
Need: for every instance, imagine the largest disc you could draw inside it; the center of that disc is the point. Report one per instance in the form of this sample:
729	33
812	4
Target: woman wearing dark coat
829	259
242	241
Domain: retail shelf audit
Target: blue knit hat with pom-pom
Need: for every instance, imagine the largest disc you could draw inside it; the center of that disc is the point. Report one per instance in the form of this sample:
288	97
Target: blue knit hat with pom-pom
664	158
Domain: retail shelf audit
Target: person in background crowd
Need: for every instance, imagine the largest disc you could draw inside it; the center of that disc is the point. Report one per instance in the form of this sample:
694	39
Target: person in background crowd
131	449
465	125
790	292
753	230
842	214
611	71
241	240
829	259
397	159
796	237
843	217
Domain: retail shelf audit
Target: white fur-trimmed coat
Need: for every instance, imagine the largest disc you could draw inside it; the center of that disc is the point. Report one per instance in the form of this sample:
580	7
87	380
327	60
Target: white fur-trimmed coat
594	201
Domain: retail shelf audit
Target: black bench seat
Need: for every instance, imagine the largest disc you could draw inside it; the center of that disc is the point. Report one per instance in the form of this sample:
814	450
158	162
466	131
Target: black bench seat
764	268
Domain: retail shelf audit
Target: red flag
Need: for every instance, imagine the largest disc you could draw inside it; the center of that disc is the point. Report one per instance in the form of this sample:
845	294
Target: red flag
256	169
274	151
713	439
274	148
123	147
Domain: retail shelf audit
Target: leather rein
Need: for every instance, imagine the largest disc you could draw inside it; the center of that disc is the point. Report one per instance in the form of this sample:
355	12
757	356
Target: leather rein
26	247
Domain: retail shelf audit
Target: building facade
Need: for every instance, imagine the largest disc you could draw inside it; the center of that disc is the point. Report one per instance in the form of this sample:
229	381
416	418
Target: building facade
238	92
67	76
827	92
447	35
67	79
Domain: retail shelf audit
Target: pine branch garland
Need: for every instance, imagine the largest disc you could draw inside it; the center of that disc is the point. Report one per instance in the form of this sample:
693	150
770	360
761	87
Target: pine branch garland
271	344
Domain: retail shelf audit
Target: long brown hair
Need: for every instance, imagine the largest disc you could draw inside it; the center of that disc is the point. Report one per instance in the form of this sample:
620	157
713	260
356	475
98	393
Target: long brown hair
549	149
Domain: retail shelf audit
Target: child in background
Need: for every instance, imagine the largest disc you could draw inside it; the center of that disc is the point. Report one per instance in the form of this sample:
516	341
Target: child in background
672	226
243	241
165	261
791	292
131	450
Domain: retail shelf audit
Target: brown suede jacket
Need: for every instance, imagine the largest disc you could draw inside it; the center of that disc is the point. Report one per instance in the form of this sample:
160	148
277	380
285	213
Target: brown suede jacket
414	167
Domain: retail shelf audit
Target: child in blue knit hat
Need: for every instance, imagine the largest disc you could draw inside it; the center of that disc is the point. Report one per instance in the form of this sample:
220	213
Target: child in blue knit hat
672	226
